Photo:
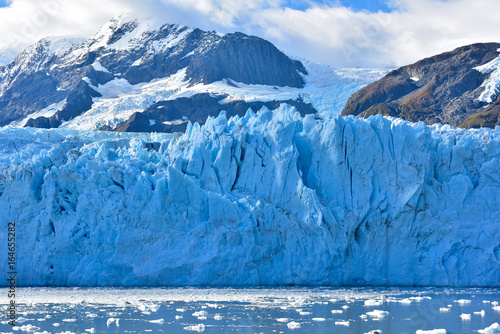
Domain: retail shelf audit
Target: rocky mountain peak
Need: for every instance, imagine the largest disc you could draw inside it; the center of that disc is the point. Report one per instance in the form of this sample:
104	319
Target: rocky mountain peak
130	51
449	88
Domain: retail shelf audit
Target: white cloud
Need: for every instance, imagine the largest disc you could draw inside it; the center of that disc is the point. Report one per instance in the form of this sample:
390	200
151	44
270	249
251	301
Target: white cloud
325	33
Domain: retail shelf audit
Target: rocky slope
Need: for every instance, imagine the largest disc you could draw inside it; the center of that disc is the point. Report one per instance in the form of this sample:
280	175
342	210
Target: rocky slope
459	88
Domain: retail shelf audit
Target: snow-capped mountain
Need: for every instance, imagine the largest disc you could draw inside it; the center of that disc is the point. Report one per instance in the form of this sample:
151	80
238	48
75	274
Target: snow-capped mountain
132	72
272	198
460	88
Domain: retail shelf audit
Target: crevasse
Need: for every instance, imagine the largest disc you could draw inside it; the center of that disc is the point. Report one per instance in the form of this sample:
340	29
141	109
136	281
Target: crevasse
267	199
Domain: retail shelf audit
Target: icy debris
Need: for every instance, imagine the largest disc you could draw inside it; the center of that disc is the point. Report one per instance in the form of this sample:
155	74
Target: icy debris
377	314
195	328
293	325
376	331
481	313
69	320
90	330
405	301
496	308
342	323
494	328
201	315
432	331
463	301
159	321
373	302
465	316
26	328
318	319
282	320
444	309
218	317
113	320
337	311
148	307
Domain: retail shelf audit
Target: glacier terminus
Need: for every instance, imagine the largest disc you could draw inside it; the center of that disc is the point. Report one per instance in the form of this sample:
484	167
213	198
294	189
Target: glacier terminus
271	198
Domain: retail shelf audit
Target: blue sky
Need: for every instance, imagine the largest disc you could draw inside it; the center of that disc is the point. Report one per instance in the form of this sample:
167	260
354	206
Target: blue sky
357	5
341	33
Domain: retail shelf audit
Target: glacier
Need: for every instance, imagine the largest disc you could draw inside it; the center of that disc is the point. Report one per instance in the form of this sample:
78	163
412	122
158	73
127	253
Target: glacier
271	198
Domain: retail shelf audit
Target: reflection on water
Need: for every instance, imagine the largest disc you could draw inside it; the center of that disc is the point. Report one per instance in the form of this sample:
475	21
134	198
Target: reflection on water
229	310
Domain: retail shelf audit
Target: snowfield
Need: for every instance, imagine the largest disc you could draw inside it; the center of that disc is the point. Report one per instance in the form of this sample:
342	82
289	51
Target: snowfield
267	199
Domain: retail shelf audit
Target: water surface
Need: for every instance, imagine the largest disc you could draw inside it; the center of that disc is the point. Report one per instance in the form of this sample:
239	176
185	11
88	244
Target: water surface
234	310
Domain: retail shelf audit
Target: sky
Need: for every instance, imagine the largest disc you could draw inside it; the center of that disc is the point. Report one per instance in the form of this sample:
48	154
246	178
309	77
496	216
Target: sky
340	33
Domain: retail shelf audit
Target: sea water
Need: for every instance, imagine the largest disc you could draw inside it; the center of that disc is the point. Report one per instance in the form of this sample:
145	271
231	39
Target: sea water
252	310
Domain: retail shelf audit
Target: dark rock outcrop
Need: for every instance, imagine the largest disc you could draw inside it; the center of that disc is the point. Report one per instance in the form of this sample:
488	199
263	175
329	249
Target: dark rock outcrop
440	89
174	115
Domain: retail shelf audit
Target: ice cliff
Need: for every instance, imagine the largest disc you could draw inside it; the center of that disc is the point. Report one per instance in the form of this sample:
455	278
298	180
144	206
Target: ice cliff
267	199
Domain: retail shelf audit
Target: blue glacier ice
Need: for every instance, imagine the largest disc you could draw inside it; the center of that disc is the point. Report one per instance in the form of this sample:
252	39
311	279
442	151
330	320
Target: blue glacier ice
268	199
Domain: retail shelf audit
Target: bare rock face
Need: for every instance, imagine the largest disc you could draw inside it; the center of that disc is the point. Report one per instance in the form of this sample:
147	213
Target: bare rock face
442	89
174	115
127	48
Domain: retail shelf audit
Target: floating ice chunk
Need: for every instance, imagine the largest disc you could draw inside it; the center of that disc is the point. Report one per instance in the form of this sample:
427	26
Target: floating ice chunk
181	310
494	328
496	308
22	320
305	313
432	331
342	323
372	302
148	307
218	317
201	315
377	314
91	330
444	309
463	301
177	317
293	325
56	324
159	321
318	319
494	303
69	320
345	307
26	328
481	313
363	316
282	320
195	328
419	299
405	301
486	302
337	311
376	331
111	321
465	317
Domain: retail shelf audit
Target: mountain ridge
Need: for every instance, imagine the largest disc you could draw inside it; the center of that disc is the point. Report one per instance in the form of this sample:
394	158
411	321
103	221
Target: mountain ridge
446	88
138	51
